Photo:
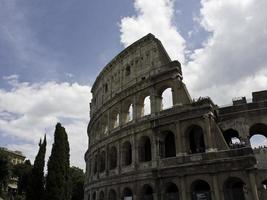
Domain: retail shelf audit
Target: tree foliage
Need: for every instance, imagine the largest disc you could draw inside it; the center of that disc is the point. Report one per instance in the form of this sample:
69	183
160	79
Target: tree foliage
58	182
35	189
4	170
22	171
77	179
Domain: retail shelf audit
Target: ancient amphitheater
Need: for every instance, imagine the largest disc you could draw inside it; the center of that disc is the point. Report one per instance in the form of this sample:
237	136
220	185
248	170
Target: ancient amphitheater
143	147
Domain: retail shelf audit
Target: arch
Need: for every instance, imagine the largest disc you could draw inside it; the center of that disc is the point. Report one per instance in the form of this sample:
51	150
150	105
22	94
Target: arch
233	189
146	110
102	161
112	157
112	195
127	194
171	192
145	149
94	196
95	164
115	118
200	190
195	136
264	184
126	153
89	197
169	142
129	113
166	99
231	136
147	192
101	195
258	135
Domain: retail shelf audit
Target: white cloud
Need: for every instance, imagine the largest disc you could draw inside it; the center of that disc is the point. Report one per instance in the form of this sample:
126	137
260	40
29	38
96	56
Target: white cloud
154	17
233	60
27	111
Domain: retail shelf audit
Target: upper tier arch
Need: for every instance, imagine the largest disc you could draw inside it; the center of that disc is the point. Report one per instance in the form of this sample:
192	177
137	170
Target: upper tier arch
139	61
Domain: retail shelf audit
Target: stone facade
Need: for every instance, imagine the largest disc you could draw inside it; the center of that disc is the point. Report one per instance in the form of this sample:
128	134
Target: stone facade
139	149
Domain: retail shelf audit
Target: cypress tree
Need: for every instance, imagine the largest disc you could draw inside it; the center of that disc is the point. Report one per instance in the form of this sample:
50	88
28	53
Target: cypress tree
35	188
58	178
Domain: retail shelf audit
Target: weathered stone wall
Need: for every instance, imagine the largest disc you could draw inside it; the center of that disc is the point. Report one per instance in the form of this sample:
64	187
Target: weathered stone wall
168	153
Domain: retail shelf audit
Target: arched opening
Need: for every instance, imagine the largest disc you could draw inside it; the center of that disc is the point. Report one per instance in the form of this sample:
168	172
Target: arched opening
115	119
101	195
94	196
258	135
112	158
88	197
166	99
128	70
169	142
147	192
234	189
112	195
145	149
146	107
130	114
95	164
126	153
127	194
231	137
171	192
102	161
196	139
200	190
264	184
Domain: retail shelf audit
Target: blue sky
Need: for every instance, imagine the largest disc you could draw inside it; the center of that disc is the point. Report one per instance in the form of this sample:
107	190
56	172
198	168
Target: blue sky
52	51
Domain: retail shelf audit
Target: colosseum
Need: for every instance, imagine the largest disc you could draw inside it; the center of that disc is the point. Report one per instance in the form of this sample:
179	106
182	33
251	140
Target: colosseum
143	146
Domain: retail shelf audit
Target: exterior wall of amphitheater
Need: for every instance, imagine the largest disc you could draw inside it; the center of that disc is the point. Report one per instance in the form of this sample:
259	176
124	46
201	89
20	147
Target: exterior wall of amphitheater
147	151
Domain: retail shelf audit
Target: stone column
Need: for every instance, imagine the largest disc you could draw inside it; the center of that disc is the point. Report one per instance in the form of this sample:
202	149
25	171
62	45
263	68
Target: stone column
135	116
216	187
155	102
178	141
183	188
208	134
253	185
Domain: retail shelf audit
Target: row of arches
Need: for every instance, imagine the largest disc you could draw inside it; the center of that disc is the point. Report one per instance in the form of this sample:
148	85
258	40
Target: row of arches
257	136
131	109
145	148
233	189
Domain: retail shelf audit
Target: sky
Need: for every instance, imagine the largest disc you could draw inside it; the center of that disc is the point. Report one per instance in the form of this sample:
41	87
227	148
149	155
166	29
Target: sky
52	51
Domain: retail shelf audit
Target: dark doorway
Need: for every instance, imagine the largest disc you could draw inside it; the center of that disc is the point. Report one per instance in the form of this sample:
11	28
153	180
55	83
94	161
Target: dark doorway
145	149
200	190
234	189
127	153
196	139
170	150
147	193
112	158
171	192
112	195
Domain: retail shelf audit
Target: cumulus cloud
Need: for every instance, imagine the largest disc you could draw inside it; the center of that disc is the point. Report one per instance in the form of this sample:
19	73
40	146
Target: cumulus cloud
27	111
233	60
154	17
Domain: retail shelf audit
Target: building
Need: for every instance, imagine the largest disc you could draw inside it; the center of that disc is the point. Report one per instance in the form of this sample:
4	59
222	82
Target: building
16	157
139	148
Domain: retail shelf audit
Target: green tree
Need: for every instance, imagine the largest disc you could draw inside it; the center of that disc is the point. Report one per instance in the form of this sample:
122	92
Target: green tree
58	182
4	170
22	171
77	179
35	189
